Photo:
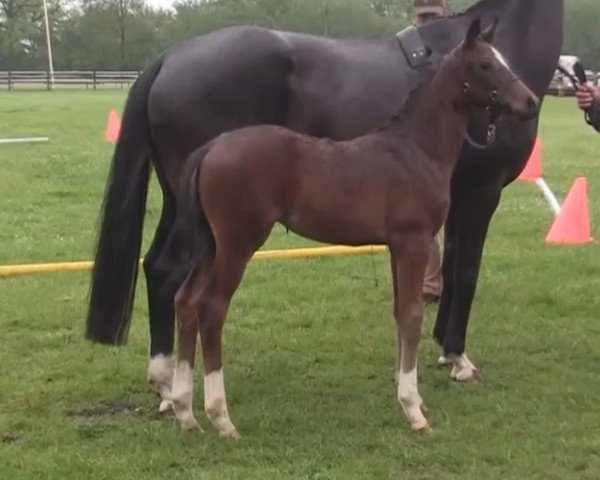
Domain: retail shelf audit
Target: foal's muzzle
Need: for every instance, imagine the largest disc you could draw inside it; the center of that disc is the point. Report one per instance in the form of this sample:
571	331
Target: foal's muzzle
519	100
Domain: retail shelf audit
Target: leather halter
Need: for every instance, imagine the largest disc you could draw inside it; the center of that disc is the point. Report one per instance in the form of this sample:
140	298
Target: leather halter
491	115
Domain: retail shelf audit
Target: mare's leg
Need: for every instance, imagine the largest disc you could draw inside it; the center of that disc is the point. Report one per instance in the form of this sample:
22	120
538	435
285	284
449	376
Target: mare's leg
160	311
472	212
432	286
448	267
411	254
395	290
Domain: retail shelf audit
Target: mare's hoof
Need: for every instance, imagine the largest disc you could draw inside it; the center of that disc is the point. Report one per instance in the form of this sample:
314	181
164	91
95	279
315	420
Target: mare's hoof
465	375
443	361
166	406
463	370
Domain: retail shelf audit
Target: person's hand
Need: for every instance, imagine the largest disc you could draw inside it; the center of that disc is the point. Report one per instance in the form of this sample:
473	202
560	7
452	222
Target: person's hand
586	96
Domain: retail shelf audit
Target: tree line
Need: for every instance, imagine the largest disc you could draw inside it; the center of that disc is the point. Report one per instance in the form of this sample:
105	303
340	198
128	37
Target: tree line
128	34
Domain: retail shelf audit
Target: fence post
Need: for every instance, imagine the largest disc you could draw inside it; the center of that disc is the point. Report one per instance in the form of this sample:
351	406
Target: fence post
48	79
95	79
10	79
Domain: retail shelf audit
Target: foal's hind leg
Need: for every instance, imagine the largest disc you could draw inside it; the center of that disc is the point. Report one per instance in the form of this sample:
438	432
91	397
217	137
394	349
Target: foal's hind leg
186	305
202	304
226	275
411	254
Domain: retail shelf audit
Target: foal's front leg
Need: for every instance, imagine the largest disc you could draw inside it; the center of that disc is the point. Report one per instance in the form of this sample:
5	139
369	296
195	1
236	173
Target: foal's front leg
410	254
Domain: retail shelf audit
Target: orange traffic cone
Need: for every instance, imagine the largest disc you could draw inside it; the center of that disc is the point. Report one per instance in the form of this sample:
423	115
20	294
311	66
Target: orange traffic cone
113	127
572	226
533	169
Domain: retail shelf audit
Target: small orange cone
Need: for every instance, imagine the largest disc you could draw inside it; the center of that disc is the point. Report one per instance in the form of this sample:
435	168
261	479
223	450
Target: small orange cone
533	169
572	226
113	127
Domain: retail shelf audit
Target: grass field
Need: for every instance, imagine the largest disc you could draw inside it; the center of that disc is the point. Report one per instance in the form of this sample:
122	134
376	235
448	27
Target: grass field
309	345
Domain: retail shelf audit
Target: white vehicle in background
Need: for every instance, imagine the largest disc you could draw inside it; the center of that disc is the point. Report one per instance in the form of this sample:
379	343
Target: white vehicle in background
560	84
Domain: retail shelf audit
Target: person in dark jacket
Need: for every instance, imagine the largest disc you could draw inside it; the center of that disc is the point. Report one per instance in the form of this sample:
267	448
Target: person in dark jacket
427	10
588	99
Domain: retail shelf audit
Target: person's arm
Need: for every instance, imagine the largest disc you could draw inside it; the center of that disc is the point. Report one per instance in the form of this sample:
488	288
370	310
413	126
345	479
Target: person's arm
588	99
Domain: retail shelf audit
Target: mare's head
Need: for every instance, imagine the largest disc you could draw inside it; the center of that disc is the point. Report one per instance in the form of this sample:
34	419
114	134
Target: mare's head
487	80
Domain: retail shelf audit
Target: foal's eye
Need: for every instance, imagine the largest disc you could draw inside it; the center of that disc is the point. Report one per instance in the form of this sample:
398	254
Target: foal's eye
486	65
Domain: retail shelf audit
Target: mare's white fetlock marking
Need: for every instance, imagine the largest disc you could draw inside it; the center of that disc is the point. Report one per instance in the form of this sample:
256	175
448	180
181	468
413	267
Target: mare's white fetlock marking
215	405
182	395
160	379
463	369
411	401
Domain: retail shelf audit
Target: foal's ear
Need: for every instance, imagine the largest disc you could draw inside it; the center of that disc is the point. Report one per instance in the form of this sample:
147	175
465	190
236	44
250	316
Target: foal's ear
488	34
473	32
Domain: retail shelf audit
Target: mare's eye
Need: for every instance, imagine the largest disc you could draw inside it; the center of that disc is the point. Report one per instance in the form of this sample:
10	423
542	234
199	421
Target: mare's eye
486	65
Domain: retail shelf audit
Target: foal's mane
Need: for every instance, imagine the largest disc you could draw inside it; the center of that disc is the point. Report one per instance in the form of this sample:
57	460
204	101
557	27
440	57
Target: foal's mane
404	112
411	104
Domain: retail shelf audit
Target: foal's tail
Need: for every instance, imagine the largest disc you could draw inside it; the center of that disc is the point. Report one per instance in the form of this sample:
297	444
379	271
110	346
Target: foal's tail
191	237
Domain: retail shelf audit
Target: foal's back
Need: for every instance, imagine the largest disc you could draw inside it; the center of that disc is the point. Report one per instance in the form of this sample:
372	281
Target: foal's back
316	187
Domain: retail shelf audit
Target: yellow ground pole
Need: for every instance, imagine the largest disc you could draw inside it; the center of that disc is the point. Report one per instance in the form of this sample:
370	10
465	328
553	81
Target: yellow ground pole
296	253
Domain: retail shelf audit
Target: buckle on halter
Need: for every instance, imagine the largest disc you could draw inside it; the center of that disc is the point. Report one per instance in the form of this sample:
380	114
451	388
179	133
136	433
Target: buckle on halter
491	134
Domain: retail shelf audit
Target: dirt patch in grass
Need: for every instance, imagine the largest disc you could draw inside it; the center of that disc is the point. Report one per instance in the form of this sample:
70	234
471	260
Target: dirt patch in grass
109	409
93	421
10	437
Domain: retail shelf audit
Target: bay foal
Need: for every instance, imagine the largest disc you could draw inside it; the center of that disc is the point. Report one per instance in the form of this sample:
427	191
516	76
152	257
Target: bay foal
390	187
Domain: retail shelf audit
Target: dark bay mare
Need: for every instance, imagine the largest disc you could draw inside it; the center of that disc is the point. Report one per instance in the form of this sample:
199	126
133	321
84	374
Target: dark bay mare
235	188
324	87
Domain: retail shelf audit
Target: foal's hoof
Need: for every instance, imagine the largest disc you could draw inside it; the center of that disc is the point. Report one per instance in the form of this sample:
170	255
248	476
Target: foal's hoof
191	426
421	427
231	435
166	406
186	419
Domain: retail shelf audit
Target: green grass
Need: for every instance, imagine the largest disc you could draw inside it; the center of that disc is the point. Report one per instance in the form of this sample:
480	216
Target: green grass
309	344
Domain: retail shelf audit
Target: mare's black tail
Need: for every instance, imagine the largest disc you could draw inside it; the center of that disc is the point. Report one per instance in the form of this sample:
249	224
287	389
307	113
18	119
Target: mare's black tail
116	263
